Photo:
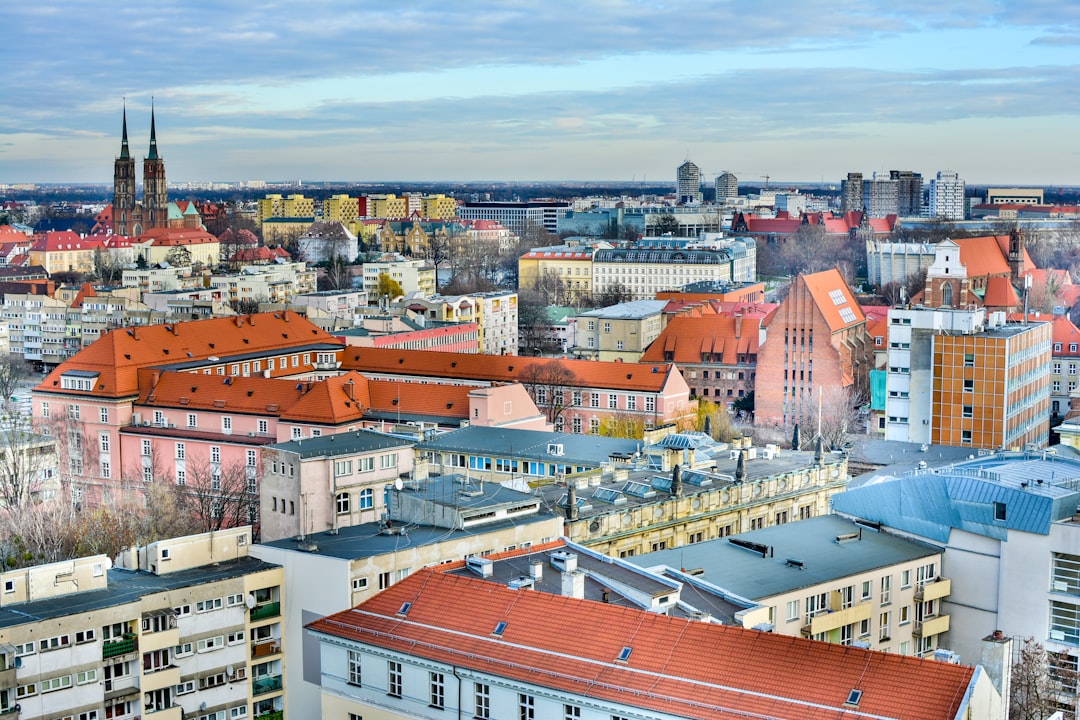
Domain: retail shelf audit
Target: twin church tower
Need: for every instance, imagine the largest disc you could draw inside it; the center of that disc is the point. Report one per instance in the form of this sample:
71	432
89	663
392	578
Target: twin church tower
128	216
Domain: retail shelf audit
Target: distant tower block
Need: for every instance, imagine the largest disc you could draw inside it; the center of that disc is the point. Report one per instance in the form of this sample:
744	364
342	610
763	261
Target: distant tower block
727	185
688	183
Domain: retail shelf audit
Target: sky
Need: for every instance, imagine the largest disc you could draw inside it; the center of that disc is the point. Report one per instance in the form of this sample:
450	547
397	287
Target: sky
545	90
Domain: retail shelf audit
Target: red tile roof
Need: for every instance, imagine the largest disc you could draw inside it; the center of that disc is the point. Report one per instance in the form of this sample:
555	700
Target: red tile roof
824	286
118	355
1000	293
1065	334
449	401
676	666
690	337
501	368
64	241
987	255
168	237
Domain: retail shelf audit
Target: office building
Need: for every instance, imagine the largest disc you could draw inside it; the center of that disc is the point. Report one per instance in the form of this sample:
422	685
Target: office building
946	199
688	183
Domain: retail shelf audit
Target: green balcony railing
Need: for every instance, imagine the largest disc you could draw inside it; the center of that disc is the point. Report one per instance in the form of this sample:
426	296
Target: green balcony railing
119	647
266	610
272	715
267	684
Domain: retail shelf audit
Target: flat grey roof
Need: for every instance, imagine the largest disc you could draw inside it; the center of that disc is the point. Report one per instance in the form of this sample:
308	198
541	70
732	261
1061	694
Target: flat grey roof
364	541
812	541
342	444
634	309
532	444
127	586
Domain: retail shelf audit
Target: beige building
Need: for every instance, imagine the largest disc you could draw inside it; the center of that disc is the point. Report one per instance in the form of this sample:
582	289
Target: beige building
826	578
496	314
335	481
414	276
619	333
189	627
570	265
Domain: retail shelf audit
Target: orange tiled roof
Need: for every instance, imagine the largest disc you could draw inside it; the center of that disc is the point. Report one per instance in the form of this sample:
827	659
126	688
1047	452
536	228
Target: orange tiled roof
502	368
1000	293
333	401
87	290
64	241
195	391
987	255
689	338
683	667
118	355
168	237
822	287
1065	333
450	401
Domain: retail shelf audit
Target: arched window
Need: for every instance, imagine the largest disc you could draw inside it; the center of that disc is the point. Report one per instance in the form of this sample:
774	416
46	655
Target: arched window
946	295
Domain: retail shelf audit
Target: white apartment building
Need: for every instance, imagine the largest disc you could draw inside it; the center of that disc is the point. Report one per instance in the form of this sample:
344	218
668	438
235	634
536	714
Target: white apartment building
517	216
946	198
414	276
182	628
647	271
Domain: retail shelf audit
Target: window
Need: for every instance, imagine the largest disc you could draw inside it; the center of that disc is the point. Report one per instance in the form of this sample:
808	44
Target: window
526	707
366	464
482	700
103	415
192	420
1064	622
905	579
359	584
264	427
184	649
297	433
388	461
56	683
74	413
367	499
865	595
1065	574
252	458
969	411
571	712
208	605
905	615
384	580
106	469
146	448
226	424
792	610
969	386
211	643
969	359
44	409
999	511
181	451
215	454
85	636
437	690
613	402
594	400
886	589
883	626
54	643
650	403
185	687
343	503
354	668
965	437
393	683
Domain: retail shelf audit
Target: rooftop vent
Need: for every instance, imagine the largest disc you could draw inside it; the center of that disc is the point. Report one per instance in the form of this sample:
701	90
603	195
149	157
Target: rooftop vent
520	583
564	561
479	565
795	563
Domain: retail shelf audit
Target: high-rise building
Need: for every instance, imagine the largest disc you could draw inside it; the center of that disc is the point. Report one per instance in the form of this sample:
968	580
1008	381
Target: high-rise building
946	196
908	192
688	183
851	193
880	196
727	185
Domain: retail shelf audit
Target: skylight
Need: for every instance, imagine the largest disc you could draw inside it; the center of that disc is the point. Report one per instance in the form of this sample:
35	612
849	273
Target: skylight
853	697
404	608
638	490
847	315
661	482
625	654
837	296
499	629
609	496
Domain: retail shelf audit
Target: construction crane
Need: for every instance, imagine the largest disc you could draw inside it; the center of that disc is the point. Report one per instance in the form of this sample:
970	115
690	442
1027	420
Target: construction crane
766	177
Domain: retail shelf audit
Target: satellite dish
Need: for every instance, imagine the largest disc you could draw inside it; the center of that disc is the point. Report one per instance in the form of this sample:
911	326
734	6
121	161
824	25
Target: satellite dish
229	669
251	601
398	484
202	706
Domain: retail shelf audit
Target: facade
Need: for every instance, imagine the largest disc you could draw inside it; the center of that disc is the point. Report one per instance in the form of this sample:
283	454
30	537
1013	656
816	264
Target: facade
277	283
881	196
825	578
414	276
619	333
1015	196
517	216
163	245
888	262
340	209
577	395
851	193
495	314
65	251
291	206
325	241
438	207
571	264
727	186
792	370
441	645
946	199
1065	367
188	627
644	272
716	351
909	192
688	183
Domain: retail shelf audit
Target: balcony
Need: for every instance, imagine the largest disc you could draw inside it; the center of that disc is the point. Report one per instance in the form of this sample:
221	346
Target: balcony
931	626
160	640
266	610
272	715
160	678
935	590
263	685
829	620
173	712
123	686
265	648
327	365
111	649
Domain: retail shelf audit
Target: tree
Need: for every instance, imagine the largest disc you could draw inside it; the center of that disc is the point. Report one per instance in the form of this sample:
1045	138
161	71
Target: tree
218	496
533	325
337	276
27	460
107	269
837	408
664	224
552	386
613	294
716	418
622	425
1032	694
179	256
12	373
437	252
550	287
467	285
388	287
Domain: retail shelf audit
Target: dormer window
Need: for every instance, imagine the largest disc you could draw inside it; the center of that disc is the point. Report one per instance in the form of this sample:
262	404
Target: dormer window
78	380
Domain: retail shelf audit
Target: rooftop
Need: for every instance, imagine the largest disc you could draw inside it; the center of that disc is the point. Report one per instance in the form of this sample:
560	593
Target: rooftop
812	542
341	444
568	448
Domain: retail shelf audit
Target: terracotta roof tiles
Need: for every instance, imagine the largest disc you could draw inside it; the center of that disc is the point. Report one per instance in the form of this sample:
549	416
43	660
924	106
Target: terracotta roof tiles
834	299
676	666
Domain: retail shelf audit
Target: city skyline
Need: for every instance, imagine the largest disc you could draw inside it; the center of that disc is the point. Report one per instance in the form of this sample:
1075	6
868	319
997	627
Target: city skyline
486	91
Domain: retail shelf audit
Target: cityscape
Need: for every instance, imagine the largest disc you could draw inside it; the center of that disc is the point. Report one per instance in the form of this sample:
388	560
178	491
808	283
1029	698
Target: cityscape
428	362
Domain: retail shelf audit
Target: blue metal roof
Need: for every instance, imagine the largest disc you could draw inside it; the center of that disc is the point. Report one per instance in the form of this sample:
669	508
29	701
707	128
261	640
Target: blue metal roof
1032	493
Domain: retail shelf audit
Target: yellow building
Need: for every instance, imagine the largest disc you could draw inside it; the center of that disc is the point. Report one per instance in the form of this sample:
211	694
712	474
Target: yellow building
387	206
340	208
438	207
293	206
181	627
619	333
177	247
282	230
571	266
64	251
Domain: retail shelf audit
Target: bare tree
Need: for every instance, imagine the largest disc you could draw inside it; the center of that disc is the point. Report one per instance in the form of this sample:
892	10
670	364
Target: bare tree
534	337
12	373
553	386
106	267
836	408
551	288
613	294
27	462
1032	692
219	496
622	424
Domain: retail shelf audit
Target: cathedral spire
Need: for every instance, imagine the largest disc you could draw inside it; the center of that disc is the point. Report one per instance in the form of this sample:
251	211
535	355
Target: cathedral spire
153	134
124	154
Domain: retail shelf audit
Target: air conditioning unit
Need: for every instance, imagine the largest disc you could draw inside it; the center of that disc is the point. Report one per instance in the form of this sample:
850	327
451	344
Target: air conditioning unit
555	449
1057	635
1060	586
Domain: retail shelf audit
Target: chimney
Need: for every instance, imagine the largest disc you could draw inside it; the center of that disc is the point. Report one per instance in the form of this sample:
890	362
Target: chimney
571	501
997	662
536	569
738	325
676	481
740	468
573	584
350	390
239	321
819	450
